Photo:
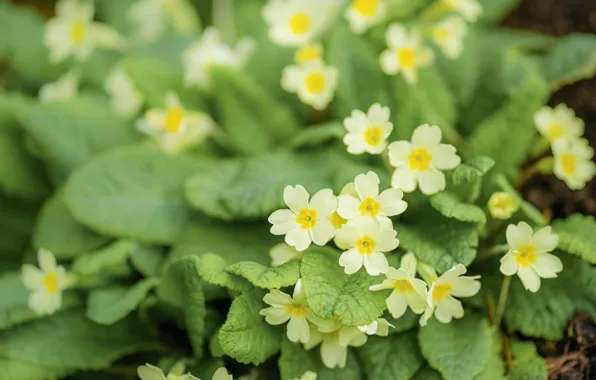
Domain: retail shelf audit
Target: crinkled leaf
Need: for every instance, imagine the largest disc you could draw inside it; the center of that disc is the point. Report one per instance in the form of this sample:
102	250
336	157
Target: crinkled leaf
572	59
265	277
495	367
577	235
212	269
528	365
444	346
394	357
471	170
450	206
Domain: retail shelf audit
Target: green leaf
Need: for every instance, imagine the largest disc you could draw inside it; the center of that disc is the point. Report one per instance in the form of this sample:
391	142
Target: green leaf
16	225
319	134
472	170
104	260
495	367
14	369
331	293
577	235
528	365
572	59
450	206
495	11
107	306
146	260
404	323
132	192
394	357
245	336
265	277
436	240
295	361
212	269
443	345
69	341
59	232
427	373
70	133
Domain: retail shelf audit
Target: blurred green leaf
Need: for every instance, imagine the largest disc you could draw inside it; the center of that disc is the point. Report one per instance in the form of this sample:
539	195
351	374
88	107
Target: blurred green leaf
264	277
394	357
572	59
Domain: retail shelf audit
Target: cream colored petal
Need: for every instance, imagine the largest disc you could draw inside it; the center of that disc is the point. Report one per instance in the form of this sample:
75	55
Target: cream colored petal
322	232
357	122
518	235
378	115
348	206
431	181
31	276
529	278
275	315
298	330
509	264
404	179
222	374
40	302
351	261
149	372
367	185
398	153
397	304
389	63
444	157
47	260
392	202
283	221
547	265
324	202
296	197
465	287
386	284
277	298
426	136
299	238
332	354
545	240
376	263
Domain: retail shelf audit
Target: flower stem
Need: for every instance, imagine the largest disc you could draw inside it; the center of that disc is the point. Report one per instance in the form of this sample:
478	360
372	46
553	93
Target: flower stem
502	300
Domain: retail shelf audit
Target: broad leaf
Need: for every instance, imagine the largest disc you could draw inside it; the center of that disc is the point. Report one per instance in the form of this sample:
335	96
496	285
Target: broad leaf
109	259
495	367
394	357
527	363
572	59
450	206
212	269
472	170
577	235
265	277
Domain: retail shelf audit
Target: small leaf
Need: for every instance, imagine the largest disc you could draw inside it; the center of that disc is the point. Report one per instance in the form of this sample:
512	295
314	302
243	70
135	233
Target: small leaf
395	357
212	269
471	170
527	363
577	235
450	206
104	260
146	260
268	278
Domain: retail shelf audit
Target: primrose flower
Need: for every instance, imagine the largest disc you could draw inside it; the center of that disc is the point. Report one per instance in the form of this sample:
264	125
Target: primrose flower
294	22
210	52
573	162
502	205
65	88
441	295
368	201
558	123
313	81
126	100
529	255
308	52
150	372
174	128
469	9
405	54
282	253
367	242
47	283
449	36
151	18
368	132
74	33
420	162
364	14
305	222
378	327
407	290
294	309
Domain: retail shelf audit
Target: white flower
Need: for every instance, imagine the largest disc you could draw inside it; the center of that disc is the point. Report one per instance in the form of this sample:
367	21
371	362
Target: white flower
46	283
294	22
294	309
65	88
529	255
364	14
150	372
308	375
449	36
469	9
502	205
175	128
441	295
368	132
378	327
305	222
282	253
126	100
421	161
368	201
74	33
405	53
558	123
151	18
210	52
222	374
313	81
367	242
308	52
573	162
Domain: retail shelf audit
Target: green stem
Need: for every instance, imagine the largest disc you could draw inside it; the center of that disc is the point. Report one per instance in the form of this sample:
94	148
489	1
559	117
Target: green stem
531	212
502	300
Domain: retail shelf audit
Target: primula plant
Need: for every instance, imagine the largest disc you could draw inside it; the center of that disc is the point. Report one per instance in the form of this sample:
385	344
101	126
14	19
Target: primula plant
285	189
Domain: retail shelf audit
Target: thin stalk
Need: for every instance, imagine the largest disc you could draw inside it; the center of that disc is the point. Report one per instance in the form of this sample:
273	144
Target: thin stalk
502	300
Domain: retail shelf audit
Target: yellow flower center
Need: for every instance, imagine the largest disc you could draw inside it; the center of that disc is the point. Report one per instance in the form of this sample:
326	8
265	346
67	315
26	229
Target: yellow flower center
308	53
403	286
315	83
441	291
373	135
370	206
307	218
300	23
441	33
366	8
569	163
366	245
526	255
50	281
173	119
419	159
297	310
406	58
555	131
78	31
336	220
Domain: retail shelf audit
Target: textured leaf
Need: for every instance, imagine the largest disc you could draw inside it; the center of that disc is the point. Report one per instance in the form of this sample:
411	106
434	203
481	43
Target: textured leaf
436	240
443	345
577	235
528	365
427	373
245	336
572	59
495	367
450	206
471	170
395	357
133	192
332	293
212	269
109	305
265	277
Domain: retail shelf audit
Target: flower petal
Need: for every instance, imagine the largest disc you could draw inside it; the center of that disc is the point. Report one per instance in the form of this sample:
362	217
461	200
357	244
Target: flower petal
322	232
444	157
298	238
397	304
367	185
324	202
398	152
296	197
465	287
544	240
282	221
547	265
404	179
376	263
426	136
529	278
431	181
149	372
377	114
351	261
275	315
31	276
519	235
47	261
332	354
298	330
348	206
392	202
509	264
277	298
